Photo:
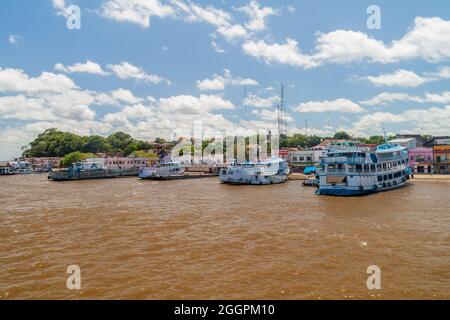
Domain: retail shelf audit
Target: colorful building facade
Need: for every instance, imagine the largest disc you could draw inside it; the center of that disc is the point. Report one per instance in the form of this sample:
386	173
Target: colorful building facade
124	162
421	160
300	159
441	159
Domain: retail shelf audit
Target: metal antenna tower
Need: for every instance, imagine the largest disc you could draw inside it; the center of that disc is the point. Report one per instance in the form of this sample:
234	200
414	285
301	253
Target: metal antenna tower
281	108
306	126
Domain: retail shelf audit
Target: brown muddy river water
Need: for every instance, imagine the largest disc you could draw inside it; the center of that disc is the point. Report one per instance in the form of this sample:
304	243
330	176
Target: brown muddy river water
199	239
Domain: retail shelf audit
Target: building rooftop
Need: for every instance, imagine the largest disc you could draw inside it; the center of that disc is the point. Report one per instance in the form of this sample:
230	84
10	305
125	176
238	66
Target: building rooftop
402	140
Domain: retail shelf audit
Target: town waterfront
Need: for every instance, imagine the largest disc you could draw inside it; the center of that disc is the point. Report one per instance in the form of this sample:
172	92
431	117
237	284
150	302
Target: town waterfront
200	239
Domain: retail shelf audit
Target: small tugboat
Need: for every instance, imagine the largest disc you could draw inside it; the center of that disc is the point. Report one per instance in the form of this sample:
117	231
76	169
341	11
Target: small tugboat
311	182
348	170
162	171
256	173
6	169
90	170
22	167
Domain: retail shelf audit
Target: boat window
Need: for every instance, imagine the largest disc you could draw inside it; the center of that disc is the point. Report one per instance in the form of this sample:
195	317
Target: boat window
380	178
372	167
385	177
391	176
374	158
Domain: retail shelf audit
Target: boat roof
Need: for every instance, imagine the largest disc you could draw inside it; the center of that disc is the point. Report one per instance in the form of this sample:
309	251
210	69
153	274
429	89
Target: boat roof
402	140
389	147
274	160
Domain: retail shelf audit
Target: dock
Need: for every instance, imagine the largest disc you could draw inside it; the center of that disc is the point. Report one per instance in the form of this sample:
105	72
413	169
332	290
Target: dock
298	176
94	174
186	175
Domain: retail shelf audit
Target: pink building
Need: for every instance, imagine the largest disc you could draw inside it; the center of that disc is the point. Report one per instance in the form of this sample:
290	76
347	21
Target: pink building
127	162
421	160
283	154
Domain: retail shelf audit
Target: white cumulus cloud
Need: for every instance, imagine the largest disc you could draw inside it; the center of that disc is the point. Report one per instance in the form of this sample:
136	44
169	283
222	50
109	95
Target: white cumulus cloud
260	102
338	105
135	11
257	15
86	67
125	70
219	83
400	78
427	39
16	80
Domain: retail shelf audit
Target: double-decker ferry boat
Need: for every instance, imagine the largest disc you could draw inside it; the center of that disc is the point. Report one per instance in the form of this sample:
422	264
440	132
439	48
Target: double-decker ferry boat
93	169
258	173
348	169
163	170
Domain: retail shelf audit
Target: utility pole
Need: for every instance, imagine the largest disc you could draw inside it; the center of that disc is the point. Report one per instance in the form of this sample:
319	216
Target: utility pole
306	126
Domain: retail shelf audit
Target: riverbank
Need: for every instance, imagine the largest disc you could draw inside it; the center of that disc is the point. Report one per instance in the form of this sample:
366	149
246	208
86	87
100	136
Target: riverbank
431	177
417	177
298	176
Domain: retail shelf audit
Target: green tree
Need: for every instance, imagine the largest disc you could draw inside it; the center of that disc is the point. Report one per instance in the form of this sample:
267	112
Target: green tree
144	154
53	143
342	135
119	141
96	144
376	140
160	140
75	157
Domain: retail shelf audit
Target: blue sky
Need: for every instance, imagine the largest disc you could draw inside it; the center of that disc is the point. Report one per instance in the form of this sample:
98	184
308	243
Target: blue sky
152	68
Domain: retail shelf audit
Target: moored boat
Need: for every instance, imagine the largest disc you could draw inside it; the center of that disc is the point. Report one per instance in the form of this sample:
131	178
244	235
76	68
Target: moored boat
311	182
348	170
163	170
90	170
273	171
21	167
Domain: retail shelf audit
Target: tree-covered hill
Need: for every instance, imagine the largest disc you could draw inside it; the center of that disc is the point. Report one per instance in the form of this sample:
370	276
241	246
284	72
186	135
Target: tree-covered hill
54	143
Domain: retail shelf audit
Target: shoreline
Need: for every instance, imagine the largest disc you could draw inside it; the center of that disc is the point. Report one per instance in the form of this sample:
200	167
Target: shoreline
417	177
431	177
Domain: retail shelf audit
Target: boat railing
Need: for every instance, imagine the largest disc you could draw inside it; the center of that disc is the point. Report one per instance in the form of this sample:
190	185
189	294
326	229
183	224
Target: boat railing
341	160
333	170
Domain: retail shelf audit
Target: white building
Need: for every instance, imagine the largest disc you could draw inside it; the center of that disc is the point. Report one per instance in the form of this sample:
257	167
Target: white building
123	162
301	157
408	143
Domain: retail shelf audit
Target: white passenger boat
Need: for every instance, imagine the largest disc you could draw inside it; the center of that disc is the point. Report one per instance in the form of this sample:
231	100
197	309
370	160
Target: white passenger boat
162	170
22	167
348	170
257	173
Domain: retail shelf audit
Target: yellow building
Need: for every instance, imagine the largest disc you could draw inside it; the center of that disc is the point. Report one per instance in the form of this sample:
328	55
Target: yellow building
441	159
